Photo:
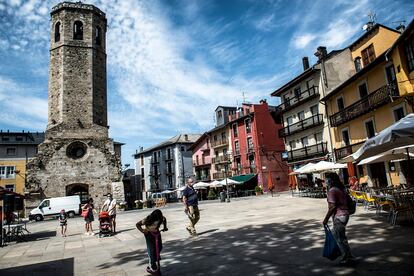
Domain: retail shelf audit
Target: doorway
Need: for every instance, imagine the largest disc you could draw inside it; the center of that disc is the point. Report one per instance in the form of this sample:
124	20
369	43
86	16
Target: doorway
78	189
378	175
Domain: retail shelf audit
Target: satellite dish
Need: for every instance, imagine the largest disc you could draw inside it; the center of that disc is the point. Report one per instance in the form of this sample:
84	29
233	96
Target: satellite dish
365	27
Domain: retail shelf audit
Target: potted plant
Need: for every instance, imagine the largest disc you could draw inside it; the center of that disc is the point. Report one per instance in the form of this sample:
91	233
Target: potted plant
258	190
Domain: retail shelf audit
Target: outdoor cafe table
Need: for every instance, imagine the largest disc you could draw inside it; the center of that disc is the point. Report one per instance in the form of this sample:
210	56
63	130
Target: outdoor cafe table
15	232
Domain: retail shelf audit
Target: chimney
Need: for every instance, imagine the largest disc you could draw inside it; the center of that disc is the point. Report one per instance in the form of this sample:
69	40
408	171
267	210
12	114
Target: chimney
305	62
186	137
321	52
400	28
141	149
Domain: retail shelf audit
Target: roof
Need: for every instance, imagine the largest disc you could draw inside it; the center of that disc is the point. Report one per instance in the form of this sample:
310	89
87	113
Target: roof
295	81
34	138
369	32
177	139
407	32
198	141
364	70
226	107
118	143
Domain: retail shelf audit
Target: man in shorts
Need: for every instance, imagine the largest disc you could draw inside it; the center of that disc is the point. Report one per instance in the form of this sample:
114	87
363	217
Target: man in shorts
110	207
190	201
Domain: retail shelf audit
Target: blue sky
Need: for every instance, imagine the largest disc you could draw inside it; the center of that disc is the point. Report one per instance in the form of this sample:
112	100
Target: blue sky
170	63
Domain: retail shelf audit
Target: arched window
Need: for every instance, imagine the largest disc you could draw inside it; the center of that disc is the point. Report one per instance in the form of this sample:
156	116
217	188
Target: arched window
57	32
78	30
98	35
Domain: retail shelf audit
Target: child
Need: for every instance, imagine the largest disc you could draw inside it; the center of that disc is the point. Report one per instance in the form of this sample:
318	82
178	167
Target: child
152	235
63	220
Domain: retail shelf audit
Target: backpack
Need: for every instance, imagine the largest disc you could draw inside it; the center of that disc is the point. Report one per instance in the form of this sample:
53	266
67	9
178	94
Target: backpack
351	204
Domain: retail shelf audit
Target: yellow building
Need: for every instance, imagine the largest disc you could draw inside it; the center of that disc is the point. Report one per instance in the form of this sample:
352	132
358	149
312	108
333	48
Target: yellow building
368	102
16	148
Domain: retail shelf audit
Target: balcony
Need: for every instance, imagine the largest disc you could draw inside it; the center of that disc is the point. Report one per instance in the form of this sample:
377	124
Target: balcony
311	93
372	101
168	158
239	114
219	143
202	163
313	121
168	172
221	175
237	152
250	150
203	178
219	159
347	150
306	152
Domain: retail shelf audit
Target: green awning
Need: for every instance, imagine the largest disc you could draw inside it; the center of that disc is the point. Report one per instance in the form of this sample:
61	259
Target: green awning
243	178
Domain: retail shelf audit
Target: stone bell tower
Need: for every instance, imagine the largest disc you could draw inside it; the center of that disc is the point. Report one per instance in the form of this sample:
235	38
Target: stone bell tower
77	156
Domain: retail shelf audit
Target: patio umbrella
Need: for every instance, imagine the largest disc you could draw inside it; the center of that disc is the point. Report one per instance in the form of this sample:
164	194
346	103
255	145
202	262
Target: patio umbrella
229	181
304	169
215	184
400	134
201	185
326	166
384	157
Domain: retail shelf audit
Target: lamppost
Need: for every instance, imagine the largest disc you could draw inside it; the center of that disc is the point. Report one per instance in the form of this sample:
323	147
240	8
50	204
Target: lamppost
226	164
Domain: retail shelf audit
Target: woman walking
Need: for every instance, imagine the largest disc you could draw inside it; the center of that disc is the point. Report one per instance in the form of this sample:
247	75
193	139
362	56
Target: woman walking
88	208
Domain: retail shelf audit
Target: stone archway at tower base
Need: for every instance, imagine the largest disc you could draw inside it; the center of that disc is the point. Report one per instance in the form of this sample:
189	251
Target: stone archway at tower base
78	189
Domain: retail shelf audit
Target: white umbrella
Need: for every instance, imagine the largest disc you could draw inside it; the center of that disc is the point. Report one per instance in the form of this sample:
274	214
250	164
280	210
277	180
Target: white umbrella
304	169
215	184
400	134
388	156
167	192
201	185
181	188
326	166
229	181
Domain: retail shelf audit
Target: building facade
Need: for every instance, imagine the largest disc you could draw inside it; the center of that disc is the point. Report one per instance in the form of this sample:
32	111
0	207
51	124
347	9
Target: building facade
368	102
77	156
16	149
201	150
256	146
166	165
305	123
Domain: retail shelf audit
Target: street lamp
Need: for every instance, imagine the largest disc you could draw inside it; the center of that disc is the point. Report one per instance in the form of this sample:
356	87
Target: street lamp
227	162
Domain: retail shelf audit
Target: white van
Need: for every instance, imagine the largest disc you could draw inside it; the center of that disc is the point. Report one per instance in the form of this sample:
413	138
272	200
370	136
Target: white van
53	206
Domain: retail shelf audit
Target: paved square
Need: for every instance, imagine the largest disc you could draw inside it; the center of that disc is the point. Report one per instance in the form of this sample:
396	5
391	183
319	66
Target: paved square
254	236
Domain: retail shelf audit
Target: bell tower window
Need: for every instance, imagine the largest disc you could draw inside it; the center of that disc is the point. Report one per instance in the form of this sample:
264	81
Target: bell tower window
98	35
57	32
78	30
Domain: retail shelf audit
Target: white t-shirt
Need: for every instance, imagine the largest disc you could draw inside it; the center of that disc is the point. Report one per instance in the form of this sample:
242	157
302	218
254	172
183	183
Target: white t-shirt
111	206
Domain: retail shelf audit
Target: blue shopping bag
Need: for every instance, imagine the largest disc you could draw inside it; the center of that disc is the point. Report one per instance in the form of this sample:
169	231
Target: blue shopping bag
331	249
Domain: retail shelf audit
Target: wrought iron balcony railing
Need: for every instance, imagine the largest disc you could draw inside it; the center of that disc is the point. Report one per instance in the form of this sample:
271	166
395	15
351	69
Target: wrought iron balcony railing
219	143
347	150
370	102
312	121
220	175
288	104
219	159
306	152
201	163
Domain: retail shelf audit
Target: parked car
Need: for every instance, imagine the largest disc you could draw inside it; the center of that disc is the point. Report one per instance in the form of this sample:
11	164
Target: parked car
53	206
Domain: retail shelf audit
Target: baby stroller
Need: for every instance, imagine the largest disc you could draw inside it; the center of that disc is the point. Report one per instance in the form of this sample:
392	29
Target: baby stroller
105	224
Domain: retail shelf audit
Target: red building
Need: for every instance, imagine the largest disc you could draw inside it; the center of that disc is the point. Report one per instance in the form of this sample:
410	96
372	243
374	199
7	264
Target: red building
256	147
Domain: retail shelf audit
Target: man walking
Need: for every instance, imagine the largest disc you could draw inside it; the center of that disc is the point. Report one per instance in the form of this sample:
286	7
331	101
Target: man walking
190	201
110	207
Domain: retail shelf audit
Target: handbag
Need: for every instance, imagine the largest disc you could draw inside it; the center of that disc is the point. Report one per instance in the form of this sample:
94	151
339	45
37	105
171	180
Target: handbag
331	249
85	213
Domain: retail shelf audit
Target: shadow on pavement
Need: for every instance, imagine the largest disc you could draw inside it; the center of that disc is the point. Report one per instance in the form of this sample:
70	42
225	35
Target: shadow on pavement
293	247
63	267
37	236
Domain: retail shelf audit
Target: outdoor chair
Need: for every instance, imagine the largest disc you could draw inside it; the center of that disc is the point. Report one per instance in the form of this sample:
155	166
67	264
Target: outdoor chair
403	204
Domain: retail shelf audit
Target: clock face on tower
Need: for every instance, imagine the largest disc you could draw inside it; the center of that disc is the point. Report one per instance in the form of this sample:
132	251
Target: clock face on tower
76	150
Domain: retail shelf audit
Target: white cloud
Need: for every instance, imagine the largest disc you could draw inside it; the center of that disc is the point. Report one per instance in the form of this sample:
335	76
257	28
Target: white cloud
302	41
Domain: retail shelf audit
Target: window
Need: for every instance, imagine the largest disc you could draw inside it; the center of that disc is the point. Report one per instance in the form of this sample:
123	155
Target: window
237	147
11	151
10	187
409	51
301	116
7	172
292	145
248	125
142	160
398	113
304	141
45	203
182	148
340	103
57	31
155	170
345	137
361	170
169	167
154	156
289	120
223	136
219	115
197	162
78	30
318	137
297	92
5	138
314	109
142	172
286	100
215	138
170	181
370	128
363	90
168	153
235	133
357	63
391	166
19	138
159	155
98	35
309	84
250	143
368	55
